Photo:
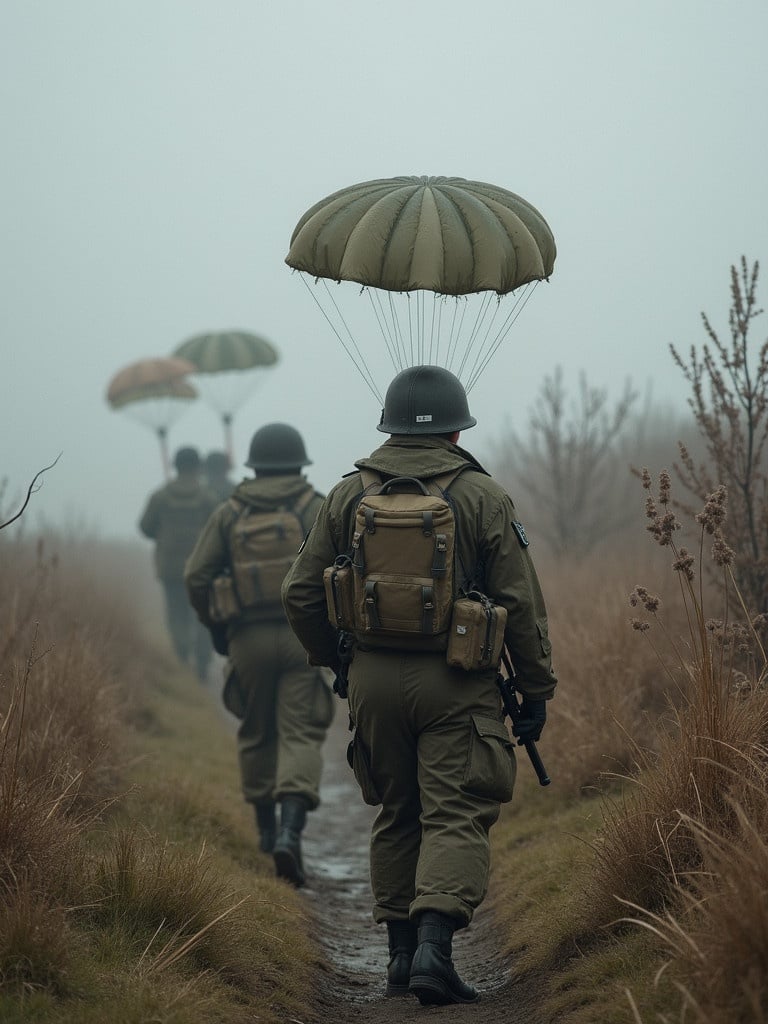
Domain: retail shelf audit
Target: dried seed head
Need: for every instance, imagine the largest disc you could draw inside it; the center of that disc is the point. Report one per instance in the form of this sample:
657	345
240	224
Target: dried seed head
650	602
722	554
645	476
684	564
665	486
715	510
639	625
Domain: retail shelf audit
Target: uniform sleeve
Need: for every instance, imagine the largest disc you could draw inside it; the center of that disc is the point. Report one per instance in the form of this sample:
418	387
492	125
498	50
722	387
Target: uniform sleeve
209	558
511	580
149	524
304	594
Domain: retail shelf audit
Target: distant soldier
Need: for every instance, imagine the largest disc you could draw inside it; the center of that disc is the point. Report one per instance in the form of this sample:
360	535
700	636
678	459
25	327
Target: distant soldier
234	577
216	468
173	518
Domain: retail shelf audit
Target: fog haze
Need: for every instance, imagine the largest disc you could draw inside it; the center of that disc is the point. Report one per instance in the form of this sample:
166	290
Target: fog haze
157	156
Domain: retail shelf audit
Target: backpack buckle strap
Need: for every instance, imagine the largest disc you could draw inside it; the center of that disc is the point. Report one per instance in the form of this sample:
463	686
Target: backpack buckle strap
370	604
370	520
427	609
439	557
358	558
427	523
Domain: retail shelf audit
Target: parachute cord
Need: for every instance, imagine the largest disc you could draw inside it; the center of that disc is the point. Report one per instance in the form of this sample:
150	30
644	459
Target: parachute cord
410	325
481	314
504	330
368	379
479	355
453	341
438	301
396	324
384	328
432	329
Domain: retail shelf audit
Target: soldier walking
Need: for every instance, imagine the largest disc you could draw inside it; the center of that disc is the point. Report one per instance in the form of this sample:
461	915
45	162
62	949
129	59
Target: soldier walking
233	579
173	518
430	745
216	467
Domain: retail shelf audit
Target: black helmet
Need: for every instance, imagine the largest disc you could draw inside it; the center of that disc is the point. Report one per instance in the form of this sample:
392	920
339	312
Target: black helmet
187	460
425	400
277	447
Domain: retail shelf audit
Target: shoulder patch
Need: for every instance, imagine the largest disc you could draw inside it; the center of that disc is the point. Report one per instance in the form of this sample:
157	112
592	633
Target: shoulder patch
517	526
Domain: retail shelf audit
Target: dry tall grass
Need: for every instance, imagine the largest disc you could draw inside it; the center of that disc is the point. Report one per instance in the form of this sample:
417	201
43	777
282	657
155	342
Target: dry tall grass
98	914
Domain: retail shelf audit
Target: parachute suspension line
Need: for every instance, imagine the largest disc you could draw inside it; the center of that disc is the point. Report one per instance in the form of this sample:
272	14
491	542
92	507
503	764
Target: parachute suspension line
422	334
397	328
410	326
520	303
481	314
385	330
438	301
368	379
482	348
432	331
453	340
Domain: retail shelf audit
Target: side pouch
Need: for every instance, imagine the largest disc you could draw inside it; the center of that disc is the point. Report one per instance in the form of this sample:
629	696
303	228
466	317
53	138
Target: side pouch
491	765
232	695
339	593
476	634
223	605
359	761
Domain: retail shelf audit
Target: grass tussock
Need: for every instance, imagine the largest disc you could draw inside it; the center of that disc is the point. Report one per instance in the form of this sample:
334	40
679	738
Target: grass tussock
130	889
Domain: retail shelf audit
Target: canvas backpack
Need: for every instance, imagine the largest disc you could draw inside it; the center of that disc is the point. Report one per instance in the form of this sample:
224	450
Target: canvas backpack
262	547
395	586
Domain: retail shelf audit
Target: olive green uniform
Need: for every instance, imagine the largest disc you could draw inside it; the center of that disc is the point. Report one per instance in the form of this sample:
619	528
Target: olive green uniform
430	742
285	705
173	518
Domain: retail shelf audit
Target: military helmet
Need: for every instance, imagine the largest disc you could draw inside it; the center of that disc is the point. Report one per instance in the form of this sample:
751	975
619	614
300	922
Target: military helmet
277	447
187	460
425	400
217	463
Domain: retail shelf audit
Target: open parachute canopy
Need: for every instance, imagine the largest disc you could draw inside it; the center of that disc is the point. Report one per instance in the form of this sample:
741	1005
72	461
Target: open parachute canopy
155	392
226	364
447	236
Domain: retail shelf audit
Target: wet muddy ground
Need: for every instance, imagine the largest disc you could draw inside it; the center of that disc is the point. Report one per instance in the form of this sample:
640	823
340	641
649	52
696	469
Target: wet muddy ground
338	896
338	893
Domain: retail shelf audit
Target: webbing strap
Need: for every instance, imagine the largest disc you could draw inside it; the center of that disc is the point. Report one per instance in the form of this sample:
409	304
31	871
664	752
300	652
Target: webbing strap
427	609
370	604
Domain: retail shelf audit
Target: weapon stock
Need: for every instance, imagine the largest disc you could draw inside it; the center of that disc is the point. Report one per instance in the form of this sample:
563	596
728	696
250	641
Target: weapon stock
512	708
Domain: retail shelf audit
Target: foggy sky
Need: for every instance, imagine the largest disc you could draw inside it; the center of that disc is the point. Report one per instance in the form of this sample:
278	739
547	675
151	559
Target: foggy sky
157	155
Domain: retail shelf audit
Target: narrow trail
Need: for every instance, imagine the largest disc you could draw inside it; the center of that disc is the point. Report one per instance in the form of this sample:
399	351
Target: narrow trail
339	895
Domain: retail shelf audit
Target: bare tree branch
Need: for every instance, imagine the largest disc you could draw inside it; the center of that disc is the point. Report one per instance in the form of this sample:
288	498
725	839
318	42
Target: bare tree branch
30	491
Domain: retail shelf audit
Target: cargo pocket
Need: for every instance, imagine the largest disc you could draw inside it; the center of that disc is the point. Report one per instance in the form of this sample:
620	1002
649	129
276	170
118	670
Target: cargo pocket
323	706
491	765
360	762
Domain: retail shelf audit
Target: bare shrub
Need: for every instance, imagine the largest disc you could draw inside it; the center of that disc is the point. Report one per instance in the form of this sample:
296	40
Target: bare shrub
568	464
729	399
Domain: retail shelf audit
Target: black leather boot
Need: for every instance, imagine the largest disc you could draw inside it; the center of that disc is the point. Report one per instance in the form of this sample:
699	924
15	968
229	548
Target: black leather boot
434	980
266	823
287	851
402	946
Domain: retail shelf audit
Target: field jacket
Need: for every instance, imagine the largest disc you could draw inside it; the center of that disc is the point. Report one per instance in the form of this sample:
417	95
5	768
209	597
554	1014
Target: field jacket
491	545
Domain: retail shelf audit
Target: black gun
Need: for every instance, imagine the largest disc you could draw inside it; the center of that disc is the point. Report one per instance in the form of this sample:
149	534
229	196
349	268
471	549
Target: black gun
346	652
512	708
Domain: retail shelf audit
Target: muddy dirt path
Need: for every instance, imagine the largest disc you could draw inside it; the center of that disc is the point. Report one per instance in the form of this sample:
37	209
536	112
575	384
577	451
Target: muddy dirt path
338	893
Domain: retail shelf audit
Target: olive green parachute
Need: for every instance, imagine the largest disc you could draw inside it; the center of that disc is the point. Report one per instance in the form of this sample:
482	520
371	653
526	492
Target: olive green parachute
445	235
451	239
227	365
155	392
